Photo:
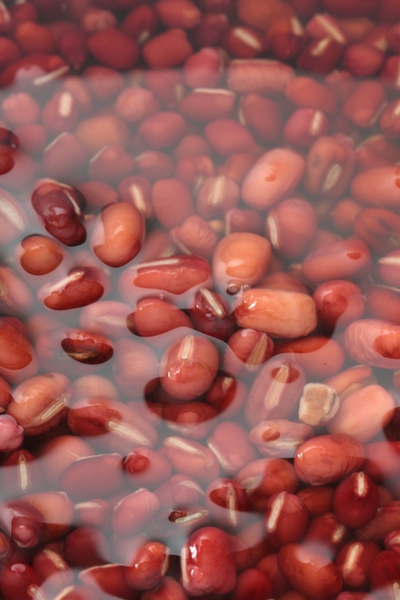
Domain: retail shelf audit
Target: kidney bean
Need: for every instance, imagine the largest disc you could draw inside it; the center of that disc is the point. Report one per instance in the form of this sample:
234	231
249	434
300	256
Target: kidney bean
353	562
276	312
360	496
279	437
188	367
274	176
203	572
327	458
191	458
308	571
133	511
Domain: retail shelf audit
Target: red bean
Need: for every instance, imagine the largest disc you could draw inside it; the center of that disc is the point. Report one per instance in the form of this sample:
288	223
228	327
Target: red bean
188	367
354	561
57	510
338	260
163	193
359	494
275	392
191	458
227	136
279	437
274	176
203	572
279	313
133	511
81	287
168	49
327	458
145	467
195	236
93	476
308	571
263	76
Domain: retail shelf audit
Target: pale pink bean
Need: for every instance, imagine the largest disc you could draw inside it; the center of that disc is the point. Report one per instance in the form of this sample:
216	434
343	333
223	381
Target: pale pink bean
277	312
135	368
343	259
279	437
264	76
373	342
363	414
11	434
274	176
133	512
188	457
328	458
145	467
230	444
89	477
240	259
275	392
105	318
291	226
57	510
40	403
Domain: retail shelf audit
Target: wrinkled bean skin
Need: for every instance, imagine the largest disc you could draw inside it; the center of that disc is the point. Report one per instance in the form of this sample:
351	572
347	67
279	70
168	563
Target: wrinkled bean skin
373	342
327	458
40	403
277	312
